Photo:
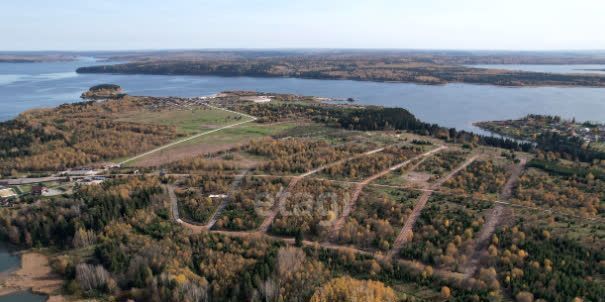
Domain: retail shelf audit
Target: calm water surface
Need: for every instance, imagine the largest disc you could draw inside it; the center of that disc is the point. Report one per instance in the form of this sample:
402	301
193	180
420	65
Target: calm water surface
29	85
9	262
8	259
22	297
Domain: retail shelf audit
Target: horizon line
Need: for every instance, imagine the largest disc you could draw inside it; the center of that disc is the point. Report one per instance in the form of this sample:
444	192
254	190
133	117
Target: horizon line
299	49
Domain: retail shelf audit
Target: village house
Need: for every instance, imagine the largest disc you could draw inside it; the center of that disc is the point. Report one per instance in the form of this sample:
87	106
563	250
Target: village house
82	172
38	190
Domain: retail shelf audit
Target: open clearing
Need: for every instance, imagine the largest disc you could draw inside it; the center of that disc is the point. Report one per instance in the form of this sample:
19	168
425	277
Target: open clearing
214	142
186	121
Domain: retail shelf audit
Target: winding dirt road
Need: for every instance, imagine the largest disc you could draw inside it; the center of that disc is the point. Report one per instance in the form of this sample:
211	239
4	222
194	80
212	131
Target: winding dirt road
174	206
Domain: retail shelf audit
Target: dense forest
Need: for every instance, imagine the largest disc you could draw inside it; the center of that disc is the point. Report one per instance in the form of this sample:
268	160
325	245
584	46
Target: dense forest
73	135
117	243
379	118
573	148
570	139
533	265
372	68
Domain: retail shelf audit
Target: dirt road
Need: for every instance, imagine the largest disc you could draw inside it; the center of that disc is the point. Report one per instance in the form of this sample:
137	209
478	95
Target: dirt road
350	205
251	119
493	220
236	182
174	206
406	231
182	141
283	196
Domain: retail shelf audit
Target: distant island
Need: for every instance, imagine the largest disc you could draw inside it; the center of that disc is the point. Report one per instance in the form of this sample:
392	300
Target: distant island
103	91
35	58
427	69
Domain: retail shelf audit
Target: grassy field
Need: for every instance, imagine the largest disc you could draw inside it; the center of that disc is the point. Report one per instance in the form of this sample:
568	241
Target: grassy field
213	142
243	133
186	121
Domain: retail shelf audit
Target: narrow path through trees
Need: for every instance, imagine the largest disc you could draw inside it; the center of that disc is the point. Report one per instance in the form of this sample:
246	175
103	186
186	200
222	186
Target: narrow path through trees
493	220
406	231
350	205
285	193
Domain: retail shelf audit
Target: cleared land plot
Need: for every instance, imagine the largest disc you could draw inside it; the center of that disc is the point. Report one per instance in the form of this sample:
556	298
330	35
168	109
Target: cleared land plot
199	196
571	195
311	208
444	232
426	170
379	214
415	292
252	199
484	177
186	121
365	166
441	163
211	143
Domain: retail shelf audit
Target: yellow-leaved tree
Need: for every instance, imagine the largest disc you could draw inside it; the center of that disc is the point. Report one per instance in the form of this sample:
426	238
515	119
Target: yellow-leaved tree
353	290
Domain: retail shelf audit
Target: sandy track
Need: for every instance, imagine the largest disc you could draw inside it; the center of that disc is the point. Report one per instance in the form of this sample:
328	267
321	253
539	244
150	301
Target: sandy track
350	205
493	220
35	274
174	206
406	231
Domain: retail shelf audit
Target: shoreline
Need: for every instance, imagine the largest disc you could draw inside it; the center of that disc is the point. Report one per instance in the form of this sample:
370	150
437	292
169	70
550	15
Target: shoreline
33	275
350	79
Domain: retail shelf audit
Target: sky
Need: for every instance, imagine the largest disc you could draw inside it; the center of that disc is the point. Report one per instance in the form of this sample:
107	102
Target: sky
202	24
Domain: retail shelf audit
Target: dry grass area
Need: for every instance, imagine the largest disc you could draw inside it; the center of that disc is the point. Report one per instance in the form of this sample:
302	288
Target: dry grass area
212	143
188	120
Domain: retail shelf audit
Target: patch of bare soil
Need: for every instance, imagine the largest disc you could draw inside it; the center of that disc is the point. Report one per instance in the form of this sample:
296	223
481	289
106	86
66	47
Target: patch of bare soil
420	178
179	153
36	275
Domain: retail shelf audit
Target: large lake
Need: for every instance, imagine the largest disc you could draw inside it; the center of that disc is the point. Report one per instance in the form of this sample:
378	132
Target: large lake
29	85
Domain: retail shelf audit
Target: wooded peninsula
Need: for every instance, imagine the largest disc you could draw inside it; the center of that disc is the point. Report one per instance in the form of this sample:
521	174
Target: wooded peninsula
365	66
